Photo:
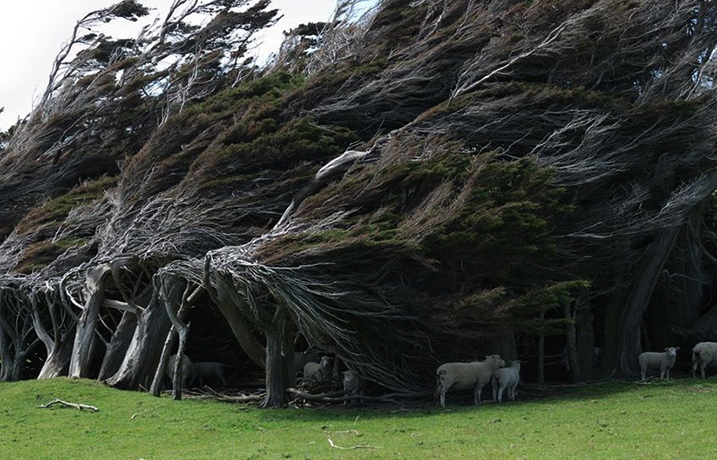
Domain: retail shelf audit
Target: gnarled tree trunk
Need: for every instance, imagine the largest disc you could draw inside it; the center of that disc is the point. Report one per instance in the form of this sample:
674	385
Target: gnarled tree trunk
143	354
118	346
79	363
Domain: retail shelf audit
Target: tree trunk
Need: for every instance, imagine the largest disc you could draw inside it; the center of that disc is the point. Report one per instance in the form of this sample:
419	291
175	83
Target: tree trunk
275	360
179	375
18	365
156	387
687	310
5	356
586	338
541	350
645	279
142	357
288	348
611	331
58	362
119	344
572	343
79	363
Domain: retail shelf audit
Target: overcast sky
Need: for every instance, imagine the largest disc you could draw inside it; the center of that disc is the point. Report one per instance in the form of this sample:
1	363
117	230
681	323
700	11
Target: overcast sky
32	32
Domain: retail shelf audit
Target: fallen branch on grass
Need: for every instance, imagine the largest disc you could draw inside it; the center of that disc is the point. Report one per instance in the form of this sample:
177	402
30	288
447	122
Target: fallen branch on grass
218	396
332	397
67	404
331	443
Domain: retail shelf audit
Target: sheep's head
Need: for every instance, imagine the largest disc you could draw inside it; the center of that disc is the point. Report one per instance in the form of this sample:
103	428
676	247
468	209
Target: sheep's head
496	360
672	351
351	379
516	363
325	362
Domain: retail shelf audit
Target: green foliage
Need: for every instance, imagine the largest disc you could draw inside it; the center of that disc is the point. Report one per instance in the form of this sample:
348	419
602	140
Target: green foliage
53	212
270	89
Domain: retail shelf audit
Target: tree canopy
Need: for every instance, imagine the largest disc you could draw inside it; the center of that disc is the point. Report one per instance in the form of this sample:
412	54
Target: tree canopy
431	181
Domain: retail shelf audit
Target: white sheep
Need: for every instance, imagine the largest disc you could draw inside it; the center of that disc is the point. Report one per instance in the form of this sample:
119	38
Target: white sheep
702	355
318	371
652	360
464	376
354	385
301	358
507	377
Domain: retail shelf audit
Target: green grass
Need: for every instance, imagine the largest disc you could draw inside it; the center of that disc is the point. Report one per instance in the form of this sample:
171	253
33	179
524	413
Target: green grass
656	421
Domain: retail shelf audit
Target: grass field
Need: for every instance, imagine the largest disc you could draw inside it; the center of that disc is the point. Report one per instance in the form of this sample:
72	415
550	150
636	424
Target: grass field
675	420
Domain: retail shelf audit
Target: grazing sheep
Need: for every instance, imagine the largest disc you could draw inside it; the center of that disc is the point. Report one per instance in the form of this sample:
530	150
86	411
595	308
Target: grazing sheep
186	368
354	385
301	359
702	355
507	377
465	376
209	370
653	360
318	371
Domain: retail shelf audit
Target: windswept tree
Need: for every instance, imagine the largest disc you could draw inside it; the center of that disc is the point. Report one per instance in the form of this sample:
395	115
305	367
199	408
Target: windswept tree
435	180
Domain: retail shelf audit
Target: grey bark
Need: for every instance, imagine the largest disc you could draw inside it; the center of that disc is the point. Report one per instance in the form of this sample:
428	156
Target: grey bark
178	329
143	354
118	346
179	377
276	360
81	352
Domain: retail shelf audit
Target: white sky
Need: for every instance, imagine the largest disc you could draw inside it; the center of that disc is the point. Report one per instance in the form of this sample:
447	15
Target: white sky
32	32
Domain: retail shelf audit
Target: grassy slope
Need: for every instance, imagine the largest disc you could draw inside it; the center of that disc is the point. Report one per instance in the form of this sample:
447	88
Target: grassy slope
674	420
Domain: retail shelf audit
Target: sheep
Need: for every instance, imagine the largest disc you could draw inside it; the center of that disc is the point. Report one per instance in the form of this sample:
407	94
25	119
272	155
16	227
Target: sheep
186	368
354	385
653	360
211	370
301	359
464	376
318	371
507	377
702	355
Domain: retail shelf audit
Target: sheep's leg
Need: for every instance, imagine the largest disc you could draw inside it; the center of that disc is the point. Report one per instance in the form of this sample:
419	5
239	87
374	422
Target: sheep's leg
642	373
476	394
512	391
495	389
694	368
444	383
668	373
500	394
662	372
702	369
